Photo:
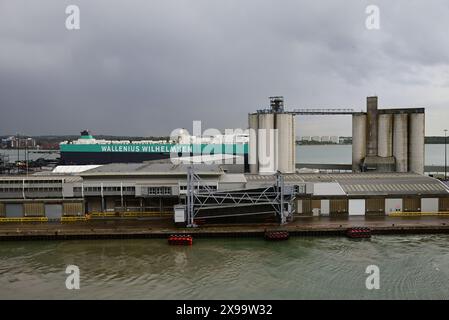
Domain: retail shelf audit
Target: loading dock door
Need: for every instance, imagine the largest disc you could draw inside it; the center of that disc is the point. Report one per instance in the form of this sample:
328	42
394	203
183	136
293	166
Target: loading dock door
325	207
429	205
356	207
53	211
393	205
14	210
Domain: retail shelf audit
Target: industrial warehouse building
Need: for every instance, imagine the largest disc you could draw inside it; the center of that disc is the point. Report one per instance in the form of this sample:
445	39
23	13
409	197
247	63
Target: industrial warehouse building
157	186
387	143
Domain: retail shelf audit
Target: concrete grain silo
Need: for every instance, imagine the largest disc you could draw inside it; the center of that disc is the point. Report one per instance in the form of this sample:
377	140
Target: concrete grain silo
385	135
286	142
400	141
416	147
358	140
266	144
253	121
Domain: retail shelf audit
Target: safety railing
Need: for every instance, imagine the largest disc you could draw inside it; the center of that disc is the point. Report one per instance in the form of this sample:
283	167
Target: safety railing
418	214
129	214
74	218
24	219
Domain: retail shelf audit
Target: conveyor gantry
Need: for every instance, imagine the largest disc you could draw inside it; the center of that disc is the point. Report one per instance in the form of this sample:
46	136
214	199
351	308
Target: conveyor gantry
315	111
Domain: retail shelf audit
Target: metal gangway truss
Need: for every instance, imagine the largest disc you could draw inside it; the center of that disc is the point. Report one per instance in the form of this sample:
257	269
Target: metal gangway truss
278	197
315	111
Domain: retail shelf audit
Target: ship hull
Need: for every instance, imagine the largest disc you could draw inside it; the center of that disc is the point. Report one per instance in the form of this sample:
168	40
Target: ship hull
81	158
80	154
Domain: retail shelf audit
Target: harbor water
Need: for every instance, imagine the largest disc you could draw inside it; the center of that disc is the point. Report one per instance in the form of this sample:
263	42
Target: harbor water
342	154
411	267
333	154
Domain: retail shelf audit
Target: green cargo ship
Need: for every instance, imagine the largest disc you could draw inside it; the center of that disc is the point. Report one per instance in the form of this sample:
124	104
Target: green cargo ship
88	150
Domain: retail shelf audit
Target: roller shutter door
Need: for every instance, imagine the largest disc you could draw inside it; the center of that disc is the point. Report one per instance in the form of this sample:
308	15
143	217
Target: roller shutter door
33	209
94	205
393	205
73	209
356	207
325	207
429	205
53	211
14	210
375	206
444	205
412	205
339	206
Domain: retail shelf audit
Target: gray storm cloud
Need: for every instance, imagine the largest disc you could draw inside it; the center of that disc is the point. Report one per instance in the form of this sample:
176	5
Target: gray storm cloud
147	67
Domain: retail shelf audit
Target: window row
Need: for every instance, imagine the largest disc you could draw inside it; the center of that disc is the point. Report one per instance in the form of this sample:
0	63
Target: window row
98	189
28	182
27	189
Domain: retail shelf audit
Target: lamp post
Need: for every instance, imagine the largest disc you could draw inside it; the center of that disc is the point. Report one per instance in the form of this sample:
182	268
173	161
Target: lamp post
18	153
445	154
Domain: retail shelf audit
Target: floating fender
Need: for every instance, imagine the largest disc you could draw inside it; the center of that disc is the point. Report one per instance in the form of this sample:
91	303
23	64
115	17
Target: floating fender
276	235
180	240
358	233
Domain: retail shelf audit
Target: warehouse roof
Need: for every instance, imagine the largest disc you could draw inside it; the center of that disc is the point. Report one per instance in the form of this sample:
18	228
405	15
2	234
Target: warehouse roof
151	168
365	184
68	169
413	185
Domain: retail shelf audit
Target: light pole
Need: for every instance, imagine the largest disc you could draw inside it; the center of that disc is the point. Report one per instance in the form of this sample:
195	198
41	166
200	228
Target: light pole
18	153
445	154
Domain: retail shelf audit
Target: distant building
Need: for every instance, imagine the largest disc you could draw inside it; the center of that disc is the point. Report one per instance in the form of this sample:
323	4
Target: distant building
305	138
335	139
345	140
316	138
19	142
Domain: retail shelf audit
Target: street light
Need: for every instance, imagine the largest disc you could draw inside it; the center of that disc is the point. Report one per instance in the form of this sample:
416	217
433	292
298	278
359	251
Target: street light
445	154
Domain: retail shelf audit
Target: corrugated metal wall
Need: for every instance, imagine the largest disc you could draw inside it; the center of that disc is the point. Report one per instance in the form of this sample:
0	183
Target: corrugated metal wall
73	209
33	209
412	204
339	206
375	206
2	209
307	206
316	207
444	204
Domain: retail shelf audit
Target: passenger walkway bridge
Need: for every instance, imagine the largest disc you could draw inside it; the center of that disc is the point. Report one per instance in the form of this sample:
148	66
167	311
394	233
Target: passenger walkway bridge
316	111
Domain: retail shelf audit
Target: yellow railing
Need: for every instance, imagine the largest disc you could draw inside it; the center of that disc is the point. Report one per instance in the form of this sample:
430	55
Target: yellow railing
103	214
418	214
130	214
90	216
25	219
74	218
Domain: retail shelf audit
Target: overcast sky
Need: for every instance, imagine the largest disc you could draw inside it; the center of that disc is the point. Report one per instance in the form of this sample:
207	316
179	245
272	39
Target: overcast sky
147	67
